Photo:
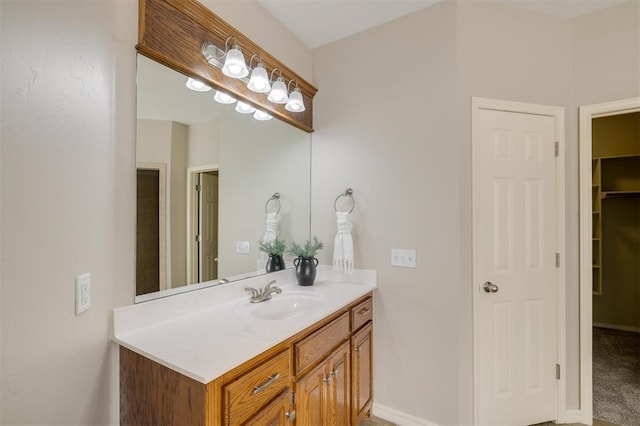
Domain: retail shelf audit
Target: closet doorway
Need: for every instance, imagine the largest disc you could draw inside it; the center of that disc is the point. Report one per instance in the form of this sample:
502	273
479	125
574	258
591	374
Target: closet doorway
610	262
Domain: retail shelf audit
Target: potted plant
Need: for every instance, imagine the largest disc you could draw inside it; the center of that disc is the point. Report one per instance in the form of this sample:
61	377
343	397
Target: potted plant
274	249
306	261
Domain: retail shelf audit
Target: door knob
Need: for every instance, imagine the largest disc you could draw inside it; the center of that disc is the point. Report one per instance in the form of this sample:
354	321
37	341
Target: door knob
490	287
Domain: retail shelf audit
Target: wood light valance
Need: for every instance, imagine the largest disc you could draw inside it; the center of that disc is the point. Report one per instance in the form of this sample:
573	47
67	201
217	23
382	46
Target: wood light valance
172	32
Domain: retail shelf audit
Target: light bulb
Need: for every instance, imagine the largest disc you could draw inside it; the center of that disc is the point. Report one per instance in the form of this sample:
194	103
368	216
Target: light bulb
196	85
262	116
259	81
243	108
296	103
278	92
223	98
234	65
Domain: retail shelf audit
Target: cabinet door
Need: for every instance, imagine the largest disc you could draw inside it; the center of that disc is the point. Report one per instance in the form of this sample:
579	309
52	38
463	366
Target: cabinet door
311	404
362	350
340	387
274	414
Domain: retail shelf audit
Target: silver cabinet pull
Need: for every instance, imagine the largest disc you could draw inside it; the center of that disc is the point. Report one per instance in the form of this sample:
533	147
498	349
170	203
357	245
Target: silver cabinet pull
266	384
334	373
363	311
291	415
490	287
327	379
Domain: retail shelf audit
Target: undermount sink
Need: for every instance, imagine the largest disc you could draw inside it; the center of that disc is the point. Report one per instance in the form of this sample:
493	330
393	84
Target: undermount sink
285	305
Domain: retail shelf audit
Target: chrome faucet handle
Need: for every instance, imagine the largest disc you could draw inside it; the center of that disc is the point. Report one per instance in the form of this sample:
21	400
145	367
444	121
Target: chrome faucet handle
268	286
254	292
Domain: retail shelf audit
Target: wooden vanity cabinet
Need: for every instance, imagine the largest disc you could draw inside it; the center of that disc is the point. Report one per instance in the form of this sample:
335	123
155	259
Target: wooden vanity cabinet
320	376
323	394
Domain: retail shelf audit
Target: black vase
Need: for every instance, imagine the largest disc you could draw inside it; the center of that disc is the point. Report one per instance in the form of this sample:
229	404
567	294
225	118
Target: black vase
275	262
305	270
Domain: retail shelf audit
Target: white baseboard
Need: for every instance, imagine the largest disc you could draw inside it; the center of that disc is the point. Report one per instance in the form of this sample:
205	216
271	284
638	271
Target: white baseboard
573	416
398	417
617	327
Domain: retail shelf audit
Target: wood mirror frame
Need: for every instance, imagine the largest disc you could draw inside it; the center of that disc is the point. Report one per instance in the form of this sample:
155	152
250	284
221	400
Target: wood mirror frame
172	32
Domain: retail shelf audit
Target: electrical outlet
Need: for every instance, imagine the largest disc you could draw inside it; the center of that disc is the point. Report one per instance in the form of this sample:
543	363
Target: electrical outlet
83	293
403	258
243	247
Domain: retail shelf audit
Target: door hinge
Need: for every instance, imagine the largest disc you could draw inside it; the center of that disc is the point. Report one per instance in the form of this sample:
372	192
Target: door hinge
557	260
557	149
197	238
198	186
293	398
558	371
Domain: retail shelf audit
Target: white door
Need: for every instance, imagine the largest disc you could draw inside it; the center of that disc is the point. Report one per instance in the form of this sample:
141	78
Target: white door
208	217
515	245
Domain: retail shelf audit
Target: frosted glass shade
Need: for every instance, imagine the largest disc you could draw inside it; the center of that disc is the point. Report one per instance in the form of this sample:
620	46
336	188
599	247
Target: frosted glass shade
234	64
278	94
296	103
259	81
262	116
196	85
223	98
243	108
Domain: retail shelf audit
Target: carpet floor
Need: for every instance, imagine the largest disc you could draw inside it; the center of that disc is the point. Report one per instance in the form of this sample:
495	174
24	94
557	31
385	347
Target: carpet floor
616	376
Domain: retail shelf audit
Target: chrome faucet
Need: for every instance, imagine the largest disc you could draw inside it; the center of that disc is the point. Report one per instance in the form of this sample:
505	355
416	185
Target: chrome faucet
258	296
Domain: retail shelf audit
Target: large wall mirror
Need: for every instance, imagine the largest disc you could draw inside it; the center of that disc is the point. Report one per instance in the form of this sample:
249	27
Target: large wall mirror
206	174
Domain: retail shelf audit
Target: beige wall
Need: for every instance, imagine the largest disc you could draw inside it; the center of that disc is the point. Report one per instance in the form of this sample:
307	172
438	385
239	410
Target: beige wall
386	126
404	147
204	146
68	141
178	204
68	204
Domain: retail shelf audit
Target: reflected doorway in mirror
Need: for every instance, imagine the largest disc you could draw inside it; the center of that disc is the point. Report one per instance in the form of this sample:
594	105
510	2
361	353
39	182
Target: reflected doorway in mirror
202	223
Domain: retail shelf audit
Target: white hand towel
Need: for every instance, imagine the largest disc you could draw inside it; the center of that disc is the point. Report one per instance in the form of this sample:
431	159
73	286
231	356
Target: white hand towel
272	228
343	247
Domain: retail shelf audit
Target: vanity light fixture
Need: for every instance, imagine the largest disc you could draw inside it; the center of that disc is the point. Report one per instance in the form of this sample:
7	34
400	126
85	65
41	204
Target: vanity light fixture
244	108
296	102
234	64
197	85
278	93
262	116
259	81
223	98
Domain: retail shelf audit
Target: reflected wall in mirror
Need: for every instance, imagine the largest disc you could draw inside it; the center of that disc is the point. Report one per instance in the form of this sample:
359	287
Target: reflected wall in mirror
205	174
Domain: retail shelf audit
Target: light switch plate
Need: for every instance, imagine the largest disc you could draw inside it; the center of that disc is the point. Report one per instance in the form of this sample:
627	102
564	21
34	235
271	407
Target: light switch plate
243	247
403	258
83	293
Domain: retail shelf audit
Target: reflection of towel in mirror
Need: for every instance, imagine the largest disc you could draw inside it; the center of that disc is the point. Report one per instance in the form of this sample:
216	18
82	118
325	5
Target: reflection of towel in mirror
272	228
343	247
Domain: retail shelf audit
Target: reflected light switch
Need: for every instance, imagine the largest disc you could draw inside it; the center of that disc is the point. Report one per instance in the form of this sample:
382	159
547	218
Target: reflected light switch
243	247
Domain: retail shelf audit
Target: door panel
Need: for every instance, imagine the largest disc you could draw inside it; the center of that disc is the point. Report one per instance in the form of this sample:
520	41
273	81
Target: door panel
208	217
310	398
340	386
515	186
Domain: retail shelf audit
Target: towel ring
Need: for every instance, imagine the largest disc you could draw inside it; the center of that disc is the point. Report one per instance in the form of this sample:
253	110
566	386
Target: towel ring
276	199
347	193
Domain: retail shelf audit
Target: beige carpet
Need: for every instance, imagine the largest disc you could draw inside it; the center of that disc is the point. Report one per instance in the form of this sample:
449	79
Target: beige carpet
616	376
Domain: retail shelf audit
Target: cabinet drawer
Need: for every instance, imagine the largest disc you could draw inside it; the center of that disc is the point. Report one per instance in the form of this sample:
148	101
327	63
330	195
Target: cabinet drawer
319	343
361	314
244	396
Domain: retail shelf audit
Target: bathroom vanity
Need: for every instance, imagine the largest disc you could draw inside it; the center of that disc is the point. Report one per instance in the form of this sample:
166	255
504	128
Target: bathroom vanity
304	357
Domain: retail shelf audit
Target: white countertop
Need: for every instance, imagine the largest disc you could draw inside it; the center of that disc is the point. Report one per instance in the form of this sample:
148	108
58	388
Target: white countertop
205	333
